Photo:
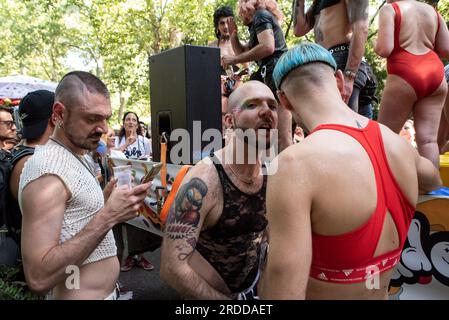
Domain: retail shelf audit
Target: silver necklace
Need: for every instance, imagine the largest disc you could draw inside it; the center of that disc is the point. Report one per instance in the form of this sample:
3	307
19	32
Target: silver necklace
247	181
74	154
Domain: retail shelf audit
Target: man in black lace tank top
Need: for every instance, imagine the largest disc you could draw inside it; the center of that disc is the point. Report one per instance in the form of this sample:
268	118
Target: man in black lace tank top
215	235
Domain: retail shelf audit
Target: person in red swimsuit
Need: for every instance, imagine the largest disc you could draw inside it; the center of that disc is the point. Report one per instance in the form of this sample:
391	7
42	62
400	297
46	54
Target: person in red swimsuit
341	202
412	36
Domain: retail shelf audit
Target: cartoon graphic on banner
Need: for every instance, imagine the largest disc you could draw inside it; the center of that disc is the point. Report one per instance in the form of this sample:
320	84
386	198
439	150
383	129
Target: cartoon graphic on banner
423	272
149	218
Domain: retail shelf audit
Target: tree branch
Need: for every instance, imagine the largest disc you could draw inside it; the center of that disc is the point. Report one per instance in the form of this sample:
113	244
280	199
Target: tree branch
377	12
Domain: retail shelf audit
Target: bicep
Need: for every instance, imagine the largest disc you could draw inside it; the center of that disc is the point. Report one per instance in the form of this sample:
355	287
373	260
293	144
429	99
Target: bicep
266	37
185	220
43	206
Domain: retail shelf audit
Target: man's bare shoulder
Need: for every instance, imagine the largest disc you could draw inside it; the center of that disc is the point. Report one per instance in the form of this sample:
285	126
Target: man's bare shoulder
394	143
46	187
293	167
206	171
17	170
387	133
15	175
298	151
295	159
204	168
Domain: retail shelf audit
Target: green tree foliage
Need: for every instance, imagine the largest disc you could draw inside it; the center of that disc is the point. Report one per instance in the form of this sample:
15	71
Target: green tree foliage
115	38
12	285
35	38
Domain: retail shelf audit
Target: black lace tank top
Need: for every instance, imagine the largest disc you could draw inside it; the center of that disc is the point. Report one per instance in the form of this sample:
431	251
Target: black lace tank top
232	246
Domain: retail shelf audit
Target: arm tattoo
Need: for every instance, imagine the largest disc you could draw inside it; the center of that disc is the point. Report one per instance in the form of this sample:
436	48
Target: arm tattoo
357	10
184	216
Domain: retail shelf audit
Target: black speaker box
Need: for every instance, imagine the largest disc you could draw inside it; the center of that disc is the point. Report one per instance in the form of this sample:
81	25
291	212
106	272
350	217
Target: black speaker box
185	87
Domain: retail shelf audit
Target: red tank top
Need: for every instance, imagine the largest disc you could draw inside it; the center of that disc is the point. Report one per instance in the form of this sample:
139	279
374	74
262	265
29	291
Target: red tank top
349	257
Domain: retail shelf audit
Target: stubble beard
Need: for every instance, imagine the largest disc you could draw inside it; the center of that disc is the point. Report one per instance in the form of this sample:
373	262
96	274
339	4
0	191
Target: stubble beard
80	142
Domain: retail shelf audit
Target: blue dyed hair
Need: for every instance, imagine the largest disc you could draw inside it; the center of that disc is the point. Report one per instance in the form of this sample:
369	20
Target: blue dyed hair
303	53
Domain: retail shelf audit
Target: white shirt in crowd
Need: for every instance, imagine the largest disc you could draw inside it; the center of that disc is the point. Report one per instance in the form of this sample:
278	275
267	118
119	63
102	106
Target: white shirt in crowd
140	148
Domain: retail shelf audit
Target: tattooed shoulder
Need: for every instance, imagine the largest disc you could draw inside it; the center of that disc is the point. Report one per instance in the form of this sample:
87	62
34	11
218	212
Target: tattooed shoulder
184	216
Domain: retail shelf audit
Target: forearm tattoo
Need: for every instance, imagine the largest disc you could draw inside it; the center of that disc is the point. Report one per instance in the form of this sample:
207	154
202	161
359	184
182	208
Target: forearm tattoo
357	10
184	216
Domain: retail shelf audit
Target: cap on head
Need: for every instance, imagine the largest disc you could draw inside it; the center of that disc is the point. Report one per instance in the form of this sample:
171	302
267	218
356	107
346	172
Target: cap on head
304	53
35	110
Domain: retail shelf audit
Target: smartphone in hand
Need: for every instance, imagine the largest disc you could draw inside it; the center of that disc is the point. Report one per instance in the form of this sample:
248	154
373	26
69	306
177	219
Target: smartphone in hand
152	173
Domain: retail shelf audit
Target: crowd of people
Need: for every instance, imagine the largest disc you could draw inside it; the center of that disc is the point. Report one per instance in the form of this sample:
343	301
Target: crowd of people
339	196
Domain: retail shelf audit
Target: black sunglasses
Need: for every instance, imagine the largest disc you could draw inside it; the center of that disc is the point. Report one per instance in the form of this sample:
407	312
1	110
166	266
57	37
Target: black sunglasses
9	123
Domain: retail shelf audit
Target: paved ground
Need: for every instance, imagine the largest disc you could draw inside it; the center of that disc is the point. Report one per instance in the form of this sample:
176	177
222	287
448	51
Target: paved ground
147	285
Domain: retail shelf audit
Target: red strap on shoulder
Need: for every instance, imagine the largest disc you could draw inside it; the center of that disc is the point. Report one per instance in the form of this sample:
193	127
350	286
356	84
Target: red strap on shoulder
397	24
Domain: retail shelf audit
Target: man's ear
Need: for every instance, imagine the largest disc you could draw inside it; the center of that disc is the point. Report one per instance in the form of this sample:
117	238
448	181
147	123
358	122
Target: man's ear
340	78
284	100
229	123
58	113
52	120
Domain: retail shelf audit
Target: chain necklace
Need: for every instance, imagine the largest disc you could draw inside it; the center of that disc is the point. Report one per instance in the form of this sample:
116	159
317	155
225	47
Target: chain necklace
74	154
247	181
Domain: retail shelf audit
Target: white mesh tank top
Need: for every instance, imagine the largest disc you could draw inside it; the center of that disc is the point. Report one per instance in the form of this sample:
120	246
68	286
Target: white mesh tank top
86	194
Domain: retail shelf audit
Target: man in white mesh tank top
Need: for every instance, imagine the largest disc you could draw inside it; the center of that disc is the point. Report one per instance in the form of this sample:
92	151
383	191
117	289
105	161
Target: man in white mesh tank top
68	247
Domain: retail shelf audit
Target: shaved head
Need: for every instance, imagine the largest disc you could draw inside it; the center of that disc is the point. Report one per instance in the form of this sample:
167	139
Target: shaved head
252	113
73	87
302	79
249	90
